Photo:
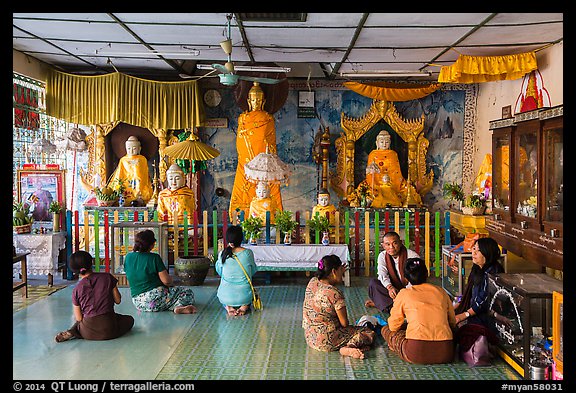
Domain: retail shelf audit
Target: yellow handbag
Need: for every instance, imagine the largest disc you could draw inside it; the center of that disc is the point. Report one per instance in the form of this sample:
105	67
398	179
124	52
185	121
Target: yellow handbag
256	301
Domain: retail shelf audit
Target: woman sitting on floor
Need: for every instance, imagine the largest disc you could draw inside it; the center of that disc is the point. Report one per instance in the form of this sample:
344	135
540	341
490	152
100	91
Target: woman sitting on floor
325	319
93	299
151	285
234	291
421	323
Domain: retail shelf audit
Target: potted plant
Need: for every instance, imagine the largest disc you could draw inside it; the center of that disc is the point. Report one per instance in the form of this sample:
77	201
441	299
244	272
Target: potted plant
453	192
474	205
285	224
252	227
56	209
21	217
321	224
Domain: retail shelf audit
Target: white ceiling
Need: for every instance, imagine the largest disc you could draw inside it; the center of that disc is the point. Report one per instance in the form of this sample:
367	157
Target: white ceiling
321	46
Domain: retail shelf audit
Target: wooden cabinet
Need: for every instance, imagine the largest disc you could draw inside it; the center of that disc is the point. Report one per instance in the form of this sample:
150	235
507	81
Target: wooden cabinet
527	173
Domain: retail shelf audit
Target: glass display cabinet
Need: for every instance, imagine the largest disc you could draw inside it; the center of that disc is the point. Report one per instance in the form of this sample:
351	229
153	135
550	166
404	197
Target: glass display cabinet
521	307
526	172
501	148
122	242
527	193
553	204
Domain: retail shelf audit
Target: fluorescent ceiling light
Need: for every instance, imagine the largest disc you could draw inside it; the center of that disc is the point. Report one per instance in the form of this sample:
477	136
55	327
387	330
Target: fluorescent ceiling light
383	74
248	68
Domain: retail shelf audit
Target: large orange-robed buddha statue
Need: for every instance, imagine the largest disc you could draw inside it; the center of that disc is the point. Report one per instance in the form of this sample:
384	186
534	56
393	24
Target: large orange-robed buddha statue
256	133
133	170
387	161
178	196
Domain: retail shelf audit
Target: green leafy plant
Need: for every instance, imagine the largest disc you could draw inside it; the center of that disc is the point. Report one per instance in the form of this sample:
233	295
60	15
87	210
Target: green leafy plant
474	201
110	192
21	214
284	222
453	192
319	222
252	227
55	207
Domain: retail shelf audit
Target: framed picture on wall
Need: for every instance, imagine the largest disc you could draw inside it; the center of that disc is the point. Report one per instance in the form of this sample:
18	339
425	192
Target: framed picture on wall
38	188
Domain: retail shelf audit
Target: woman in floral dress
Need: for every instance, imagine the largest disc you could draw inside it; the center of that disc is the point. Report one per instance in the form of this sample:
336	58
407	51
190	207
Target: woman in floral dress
325	319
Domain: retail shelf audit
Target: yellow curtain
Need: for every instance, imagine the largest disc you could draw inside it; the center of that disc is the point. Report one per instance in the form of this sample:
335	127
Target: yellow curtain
392	91
477	69
119	97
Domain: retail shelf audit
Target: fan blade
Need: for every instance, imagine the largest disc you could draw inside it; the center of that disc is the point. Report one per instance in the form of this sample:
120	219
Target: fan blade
228	79
208	74
269	81
220	68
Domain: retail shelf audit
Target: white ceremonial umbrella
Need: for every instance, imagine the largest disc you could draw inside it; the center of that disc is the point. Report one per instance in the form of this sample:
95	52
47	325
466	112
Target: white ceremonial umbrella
267	167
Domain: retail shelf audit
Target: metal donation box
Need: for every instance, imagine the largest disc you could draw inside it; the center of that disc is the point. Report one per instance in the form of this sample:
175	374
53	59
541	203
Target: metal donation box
122	239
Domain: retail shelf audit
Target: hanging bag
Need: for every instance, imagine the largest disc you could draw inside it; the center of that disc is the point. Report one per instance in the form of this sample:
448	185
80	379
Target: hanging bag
256	301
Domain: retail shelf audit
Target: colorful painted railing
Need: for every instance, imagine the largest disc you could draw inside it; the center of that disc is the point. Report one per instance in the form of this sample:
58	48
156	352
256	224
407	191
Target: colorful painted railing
424	232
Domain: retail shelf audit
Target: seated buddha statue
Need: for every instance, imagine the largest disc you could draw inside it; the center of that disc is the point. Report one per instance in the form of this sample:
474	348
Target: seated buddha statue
132	169
387	162
262	203
176	197
324	206
385	195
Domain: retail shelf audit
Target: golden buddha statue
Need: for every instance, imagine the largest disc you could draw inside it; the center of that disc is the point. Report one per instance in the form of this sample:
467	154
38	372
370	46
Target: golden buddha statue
387	162
324	206
132	169
385	194
256	134
177	197
263	202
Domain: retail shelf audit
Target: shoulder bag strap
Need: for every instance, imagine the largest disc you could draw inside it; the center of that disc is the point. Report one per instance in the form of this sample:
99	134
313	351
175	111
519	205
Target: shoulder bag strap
247	277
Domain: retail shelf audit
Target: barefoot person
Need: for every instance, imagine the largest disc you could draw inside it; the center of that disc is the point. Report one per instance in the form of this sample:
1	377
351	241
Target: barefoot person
151	285
234	291
93	299
383	290
325	319
421	323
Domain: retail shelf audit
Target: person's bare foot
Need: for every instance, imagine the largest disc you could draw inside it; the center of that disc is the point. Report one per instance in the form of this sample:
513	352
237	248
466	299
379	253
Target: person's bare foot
352	352
231	311
243	310
369	303
64	336
190	309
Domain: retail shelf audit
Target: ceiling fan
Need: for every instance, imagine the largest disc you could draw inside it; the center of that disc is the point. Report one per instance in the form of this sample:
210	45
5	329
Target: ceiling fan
226	72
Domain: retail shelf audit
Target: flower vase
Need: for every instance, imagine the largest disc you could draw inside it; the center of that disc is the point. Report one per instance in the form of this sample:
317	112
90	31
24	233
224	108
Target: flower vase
56	222
253	241
287	238
325	238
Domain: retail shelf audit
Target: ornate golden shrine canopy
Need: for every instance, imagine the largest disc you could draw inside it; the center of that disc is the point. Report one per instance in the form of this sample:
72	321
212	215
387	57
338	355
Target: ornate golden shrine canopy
411	132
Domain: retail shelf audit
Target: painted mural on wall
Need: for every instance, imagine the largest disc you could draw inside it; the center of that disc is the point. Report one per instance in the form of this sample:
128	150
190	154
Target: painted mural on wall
444	125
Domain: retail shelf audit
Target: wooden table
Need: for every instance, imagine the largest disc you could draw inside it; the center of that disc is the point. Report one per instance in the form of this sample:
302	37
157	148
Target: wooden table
44	250
23	283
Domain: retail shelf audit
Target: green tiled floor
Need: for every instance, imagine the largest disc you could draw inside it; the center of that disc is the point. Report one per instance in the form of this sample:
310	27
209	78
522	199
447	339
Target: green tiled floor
270	345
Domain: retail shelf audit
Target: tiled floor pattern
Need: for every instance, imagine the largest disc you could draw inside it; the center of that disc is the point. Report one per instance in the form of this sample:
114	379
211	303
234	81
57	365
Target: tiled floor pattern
35	293
270	345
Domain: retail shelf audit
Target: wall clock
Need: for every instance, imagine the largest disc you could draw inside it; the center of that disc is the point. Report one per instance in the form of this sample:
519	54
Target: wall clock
212	98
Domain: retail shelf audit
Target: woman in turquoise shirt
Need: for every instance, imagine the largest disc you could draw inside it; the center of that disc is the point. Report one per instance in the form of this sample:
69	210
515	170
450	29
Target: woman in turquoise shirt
234	291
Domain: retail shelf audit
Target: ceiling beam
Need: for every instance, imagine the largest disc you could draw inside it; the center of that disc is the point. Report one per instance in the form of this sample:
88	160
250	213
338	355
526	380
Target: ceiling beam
244	36
171	63
351	45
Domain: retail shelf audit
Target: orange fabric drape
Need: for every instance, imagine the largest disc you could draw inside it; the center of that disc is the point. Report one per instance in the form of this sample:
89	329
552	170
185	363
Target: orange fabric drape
477	69
392	91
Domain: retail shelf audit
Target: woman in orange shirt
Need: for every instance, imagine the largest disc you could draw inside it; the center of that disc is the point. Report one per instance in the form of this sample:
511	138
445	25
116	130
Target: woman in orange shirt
421	323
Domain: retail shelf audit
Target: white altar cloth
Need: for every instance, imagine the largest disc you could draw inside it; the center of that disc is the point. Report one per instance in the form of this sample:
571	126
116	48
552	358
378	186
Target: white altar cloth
302	257
43	249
